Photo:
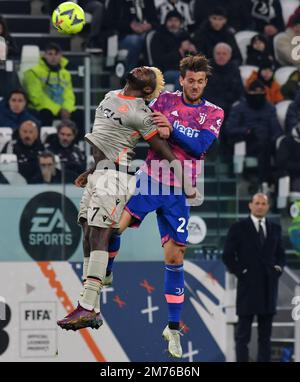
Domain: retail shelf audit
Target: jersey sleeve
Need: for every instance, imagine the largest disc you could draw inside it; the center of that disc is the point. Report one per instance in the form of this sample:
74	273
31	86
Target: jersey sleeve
144	124
214	121
158	103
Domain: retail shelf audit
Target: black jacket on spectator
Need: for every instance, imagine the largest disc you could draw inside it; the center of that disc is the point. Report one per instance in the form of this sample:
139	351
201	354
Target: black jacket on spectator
257	287
244	120
12	49
9	81
288	155
71	156
164	48
239	16
225	86
182	7
265	12
254	57
206	38
293	114
27	156
120	13
56	179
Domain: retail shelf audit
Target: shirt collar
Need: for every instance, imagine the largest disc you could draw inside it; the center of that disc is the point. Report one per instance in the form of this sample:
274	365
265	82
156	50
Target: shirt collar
256	220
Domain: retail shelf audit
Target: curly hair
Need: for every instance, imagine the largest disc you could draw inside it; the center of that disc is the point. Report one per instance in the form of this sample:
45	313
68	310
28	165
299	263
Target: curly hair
197	63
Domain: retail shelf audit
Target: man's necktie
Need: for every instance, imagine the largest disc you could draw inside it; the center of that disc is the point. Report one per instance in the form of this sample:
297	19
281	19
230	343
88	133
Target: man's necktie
261	233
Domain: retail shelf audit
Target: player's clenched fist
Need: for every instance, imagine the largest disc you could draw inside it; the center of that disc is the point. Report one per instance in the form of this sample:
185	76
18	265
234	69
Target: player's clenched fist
164	126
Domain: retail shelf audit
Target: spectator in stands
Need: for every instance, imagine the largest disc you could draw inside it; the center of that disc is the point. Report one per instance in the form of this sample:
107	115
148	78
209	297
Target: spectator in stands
169	45
293	114
254	253
8	78
12	50
176	5
13	111
254	121
288	157
288	53
239	17
26	147
290	88
96	9
290	22
63	145
49	87
48	173
213	31
267	16
266	76
225	86
258	51
132	19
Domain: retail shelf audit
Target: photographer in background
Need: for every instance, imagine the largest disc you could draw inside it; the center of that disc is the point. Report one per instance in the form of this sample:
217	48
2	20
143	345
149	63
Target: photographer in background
169	45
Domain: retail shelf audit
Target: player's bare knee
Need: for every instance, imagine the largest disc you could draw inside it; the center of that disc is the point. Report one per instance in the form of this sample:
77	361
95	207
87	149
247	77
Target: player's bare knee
174	254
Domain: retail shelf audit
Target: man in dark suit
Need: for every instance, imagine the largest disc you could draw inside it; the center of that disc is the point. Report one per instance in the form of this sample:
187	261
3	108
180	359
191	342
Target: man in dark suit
254	253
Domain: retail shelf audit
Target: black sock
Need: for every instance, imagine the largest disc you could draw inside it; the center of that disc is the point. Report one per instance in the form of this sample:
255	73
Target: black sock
173	325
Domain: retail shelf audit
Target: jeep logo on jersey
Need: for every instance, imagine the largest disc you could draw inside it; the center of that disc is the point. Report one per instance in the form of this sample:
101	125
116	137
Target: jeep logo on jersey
46	232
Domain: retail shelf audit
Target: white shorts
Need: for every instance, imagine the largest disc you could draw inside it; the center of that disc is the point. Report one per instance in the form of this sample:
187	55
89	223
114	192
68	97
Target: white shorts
105	196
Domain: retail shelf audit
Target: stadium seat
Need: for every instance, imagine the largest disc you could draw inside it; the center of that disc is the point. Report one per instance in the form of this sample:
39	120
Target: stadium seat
275	39
243	39
148	42
9	168
246	71
281	110
284	192
169	87
112	50
45	131
239	157
5	136
282	74
288	8
30	55
57	162
240	160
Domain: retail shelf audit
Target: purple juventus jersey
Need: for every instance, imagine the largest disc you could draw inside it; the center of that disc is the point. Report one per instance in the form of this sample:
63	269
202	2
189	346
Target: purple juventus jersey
188	120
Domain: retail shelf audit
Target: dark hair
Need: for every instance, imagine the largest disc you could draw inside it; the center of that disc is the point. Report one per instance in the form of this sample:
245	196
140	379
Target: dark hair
139	84
47	154
198	63
267	64
5	32
174	13
257	84
259	37
68	123
296	20
18	91
53	46
218	11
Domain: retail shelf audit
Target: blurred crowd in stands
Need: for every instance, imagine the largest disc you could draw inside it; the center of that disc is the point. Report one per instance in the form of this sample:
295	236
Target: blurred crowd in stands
160	33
